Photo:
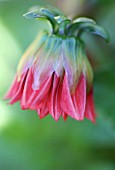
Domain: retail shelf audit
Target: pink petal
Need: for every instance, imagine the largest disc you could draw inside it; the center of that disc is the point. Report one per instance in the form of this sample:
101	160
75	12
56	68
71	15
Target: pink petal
58	109
54	98
66	101
15	93
90	110
42	112
38	96
74	105
79	98
13	89
27	92
34	99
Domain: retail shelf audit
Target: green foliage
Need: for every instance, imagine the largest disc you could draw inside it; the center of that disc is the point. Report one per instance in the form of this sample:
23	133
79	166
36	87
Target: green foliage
28	143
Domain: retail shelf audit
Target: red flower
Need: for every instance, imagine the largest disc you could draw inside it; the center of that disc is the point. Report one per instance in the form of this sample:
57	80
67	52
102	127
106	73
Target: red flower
54	75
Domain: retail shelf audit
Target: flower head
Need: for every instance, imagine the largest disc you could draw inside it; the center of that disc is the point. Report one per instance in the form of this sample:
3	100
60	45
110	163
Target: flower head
54	75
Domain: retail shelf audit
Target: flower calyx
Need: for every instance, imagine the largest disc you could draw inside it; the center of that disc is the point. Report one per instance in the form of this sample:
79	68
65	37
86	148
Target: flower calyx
61	25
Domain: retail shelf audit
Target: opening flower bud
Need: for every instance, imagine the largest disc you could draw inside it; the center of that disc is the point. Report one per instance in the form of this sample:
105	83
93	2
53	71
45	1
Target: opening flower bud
54	75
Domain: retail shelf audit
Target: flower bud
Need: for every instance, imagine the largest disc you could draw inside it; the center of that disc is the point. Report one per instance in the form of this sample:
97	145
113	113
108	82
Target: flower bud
54	75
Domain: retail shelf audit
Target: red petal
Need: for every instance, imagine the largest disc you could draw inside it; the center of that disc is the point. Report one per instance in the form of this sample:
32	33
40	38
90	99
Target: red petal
79	98
38	96
34	99
90	110
13	89
54	98
66	101
42	112
27	92
74	105
64	115
58	109
16	90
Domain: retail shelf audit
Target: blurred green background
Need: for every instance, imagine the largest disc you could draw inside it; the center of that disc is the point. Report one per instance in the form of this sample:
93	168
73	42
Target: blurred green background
27	143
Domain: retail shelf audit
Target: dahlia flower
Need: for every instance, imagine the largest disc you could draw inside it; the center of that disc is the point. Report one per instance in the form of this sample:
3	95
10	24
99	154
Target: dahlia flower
54	75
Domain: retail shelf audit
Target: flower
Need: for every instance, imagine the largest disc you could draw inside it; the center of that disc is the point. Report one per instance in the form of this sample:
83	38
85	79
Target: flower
54	75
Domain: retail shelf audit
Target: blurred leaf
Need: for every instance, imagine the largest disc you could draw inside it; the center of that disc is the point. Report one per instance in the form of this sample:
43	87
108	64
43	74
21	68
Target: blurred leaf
28	143
105	91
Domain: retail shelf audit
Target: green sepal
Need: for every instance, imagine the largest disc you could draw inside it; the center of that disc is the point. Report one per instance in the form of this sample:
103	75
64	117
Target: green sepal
42	13
33	15
84	20
78	28
77	22
61	25
54	16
